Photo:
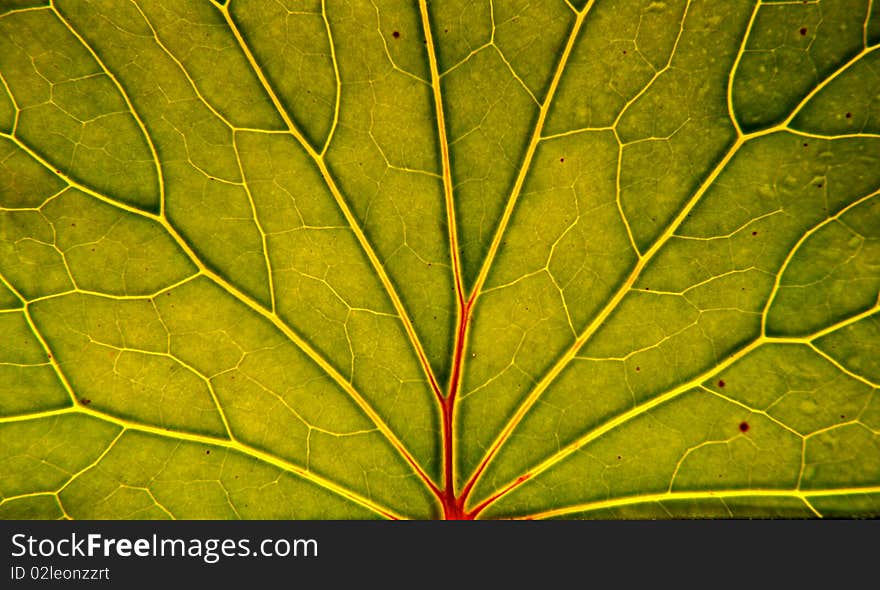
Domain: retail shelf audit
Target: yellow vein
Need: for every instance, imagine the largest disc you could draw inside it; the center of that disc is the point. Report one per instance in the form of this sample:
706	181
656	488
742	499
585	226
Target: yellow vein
140	123
622	291
195	372
186	74
38	415
842	323
115	297
39	336
341	202
578	132
149	493
749	408
55	366
313	354
263	235
221	443
6	499
335	63
794	249
12	99
638	410
21	10
387	51
823	136
802	495
809	504
692	384
837	364
94	463
53	495
62	509
809	338
619	201
735	67
855	422
530	150
444	154
447	403
657	73
824	83
516	77
15	292
551	375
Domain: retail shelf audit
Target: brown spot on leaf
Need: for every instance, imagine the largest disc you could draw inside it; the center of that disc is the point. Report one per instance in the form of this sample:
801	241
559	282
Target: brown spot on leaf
803	31
754	233
396	34
638	369
561	160
743	426
806	145
208	452
848	115
721	383
85	401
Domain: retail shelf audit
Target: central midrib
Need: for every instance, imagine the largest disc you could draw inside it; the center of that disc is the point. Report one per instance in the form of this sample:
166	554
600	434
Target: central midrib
454	504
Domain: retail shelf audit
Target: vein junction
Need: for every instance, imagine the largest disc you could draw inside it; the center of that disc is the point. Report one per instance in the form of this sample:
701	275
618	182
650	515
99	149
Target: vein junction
238	404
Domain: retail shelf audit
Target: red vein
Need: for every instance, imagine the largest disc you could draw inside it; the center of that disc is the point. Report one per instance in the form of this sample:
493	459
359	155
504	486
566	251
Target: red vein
643	261
598	321
456	507
233	291
319	159
452	508
453	504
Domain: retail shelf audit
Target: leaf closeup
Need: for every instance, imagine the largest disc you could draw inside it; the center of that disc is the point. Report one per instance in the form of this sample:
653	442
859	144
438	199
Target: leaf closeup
425	259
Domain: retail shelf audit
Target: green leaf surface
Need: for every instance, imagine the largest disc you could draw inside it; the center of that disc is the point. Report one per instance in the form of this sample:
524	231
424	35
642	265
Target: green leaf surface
439	258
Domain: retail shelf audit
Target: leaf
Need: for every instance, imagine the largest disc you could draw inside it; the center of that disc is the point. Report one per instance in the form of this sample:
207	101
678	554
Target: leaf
377	259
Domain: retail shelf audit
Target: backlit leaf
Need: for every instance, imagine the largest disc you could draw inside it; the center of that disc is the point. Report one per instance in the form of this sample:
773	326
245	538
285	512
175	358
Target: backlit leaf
439	258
